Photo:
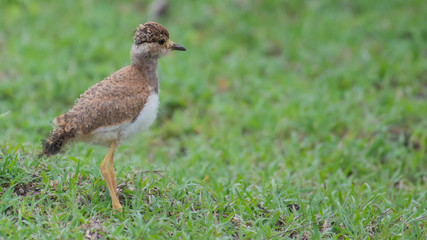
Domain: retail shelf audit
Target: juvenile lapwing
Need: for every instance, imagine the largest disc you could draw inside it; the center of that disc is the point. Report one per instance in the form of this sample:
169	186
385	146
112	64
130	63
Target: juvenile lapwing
119	106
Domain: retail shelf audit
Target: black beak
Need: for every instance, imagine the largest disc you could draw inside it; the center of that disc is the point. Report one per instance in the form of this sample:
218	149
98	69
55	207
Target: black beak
178	47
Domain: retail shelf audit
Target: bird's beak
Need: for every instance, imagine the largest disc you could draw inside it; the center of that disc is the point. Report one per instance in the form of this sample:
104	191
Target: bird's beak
175	46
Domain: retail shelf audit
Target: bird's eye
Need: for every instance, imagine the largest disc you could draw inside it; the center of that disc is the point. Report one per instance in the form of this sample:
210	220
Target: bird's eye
161	42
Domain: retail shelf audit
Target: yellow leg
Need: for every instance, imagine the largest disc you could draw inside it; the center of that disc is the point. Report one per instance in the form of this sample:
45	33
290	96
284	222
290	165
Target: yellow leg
112	173
108	177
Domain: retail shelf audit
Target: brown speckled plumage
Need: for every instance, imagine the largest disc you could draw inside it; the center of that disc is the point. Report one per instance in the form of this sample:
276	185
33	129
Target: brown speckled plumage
117	99
150	32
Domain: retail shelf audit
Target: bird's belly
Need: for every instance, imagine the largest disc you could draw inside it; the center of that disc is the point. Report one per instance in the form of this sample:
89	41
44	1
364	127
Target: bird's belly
122	131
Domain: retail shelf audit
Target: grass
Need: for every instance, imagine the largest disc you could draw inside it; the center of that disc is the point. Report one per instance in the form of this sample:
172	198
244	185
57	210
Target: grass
284	119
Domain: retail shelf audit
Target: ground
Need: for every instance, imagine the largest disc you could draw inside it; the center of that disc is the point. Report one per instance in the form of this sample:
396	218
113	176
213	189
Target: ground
284	119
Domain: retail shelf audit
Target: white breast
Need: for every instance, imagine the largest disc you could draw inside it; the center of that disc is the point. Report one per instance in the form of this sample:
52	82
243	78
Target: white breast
104	135
145	118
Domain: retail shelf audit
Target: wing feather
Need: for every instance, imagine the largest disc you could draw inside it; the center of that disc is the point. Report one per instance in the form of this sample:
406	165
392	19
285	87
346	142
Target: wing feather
118	98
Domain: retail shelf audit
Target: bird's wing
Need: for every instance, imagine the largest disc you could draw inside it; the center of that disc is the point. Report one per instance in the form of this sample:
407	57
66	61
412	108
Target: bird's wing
105	104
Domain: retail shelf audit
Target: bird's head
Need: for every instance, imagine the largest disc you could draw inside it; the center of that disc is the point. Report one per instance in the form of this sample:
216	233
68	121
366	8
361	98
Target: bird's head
151	40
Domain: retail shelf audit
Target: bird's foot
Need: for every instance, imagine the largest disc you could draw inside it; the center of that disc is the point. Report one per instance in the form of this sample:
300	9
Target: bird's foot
117	209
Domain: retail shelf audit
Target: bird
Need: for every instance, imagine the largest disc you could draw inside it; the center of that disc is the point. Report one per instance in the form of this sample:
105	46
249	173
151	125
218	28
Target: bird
118	107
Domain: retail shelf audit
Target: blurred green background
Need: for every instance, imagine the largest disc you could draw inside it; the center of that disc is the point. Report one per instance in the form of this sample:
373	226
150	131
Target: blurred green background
310	94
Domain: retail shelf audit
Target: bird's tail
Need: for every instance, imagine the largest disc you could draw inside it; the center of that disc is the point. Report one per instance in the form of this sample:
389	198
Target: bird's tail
57	139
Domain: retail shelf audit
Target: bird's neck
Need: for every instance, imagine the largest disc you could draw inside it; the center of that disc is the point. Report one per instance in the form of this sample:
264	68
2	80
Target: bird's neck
149	68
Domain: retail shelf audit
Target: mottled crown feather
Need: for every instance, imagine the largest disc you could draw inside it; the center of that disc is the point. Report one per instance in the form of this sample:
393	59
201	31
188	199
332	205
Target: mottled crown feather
150	32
